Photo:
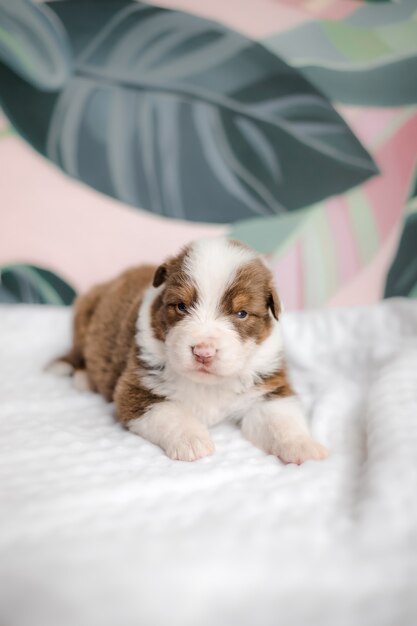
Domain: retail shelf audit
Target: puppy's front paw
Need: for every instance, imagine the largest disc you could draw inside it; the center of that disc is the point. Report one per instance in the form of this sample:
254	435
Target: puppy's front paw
190	447
301	449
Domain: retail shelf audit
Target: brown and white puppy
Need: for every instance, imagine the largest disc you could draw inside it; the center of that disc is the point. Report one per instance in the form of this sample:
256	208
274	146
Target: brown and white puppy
186	345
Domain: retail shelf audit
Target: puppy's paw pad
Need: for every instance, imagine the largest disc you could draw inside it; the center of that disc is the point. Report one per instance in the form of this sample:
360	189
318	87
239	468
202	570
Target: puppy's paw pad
191	448
302	449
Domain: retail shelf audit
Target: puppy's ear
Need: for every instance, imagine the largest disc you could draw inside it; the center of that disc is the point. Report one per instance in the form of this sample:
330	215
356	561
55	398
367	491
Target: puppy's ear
160	275
273	301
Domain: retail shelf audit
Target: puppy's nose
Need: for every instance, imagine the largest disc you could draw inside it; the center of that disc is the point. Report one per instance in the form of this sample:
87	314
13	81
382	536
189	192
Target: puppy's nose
204	352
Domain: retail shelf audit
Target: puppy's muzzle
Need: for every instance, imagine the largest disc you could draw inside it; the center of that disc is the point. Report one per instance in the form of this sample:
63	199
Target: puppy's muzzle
204	352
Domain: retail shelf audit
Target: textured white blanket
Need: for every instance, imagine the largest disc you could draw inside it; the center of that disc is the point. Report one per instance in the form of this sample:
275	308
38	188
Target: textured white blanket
98	527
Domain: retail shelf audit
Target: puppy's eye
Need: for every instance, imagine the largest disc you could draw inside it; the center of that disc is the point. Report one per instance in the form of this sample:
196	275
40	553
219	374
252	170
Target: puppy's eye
181	307
242	314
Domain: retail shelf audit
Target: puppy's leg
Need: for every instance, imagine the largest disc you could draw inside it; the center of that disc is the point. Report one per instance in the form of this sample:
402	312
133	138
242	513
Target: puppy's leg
279	427
168	425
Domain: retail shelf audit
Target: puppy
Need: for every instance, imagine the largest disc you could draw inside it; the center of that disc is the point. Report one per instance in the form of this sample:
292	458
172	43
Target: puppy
186	345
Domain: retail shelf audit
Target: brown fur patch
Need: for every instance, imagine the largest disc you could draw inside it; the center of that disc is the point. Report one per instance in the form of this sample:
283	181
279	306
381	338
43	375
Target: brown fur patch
105	325
84	308
252	291
178	288
131	398
277	385
173	266
158	323
104	331
178	291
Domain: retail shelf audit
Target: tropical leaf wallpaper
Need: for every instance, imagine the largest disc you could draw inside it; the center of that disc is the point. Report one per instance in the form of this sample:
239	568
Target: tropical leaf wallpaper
131	128
33	285
173	113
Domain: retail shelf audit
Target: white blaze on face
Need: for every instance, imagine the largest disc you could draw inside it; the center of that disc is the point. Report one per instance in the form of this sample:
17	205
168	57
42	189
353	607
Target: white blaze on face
211	265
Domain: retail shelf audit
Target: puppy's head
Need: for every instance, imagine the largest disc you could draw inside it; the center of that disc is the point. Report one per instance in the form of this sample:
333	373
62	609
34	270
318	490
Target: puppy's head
216	307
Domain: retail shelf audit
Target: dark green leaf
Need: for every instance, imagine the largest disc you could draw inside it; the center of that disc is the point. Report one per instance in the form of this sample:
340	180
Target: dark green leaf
31	284
413	192
387	84
184	117
34	44
369	58
402	276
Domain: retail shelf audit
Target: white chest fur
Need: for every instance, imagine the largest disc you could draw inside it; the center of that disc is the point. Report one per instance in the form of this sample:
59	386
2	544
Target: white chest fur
209	403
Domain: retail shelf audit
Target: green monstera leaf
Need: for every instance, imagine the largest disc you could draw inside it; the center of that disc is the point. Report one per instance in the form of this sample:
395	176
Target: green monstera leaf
181	116
402	276
31	284
33	44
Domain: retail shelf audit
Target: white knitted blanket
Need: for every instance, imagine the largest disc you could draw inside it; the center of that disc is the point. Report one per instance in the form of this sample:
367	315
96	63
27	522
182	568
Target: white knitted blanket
99	528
